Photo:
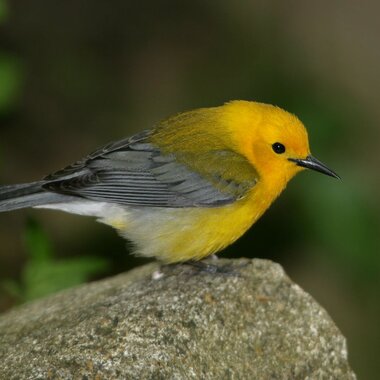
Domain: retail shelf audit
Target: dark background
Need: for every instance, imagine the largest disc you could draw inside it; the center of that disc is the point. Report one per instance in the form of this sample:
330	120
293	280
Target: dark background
76	74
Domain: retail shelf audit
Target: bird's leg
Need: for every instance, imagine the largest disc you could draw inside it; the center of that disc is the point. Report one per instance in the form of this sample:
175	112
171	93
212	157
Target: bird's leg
214	268
203	267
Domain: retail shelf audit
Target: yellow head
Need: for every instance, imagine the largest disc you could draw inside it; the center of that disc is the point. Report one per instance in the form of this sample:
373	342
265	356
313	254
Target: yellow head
273	140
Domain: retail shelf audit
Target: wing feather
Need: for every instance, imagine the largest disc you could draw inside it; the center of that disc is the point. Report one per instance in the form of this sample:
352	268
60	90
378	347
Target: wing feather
135	172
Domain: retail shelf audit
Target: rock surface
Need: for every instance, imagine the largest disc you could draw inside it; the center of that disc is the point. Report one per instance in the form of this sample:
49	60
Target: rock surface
176	324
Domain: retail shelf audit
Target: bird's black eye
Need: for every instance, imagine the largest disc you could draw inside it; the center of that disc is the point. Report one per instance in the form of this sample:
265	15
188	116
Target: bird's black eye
278	148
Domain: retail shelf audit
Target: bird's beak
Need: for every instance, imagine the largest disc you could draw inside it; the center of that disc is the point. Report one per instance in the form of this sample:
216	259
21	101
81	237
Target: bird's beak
311	162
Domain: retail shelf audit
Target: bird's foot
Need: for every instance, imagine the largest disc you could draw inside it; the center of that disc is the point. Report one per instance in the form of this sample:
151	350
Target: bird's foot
225	269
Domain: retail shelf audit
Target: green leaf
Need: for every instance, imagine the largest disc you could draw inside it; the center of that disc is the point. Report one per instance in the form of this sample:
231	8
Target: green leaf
10	81
43	274
41	279
12	288
37	243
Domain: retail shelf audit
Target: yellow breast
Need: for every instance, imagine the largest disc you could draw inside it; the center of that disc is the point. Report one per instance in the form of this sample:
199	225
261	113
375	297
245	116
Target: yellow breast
174	235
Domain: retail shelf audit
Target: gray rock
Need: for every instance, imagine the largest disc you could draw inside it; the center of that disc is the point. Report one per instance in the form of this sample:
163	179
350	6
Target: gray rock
178	324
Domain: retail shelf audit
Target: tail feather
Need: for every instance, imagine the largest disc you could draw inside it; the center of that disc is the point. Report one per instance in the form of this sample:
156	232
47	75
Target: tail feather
32	194
13	191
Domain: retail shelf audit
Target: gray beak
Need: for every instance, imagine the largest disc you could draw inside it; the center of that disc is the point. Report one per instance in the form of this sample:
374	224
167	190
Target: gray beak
312	163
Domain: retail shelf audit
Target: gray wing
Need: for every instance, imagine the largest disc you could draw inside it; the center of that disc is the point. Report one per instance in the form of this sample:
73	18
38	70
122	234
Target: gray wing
135	172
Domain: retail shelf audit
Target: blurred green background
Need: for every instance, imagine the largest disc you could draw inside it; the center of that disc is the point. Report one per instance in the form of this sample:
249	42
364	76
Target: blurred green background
77	74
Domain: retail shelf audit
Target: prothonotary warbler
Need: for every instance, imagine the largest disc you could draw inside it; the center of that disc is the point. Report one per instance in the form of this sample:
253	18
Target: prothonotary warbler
186	188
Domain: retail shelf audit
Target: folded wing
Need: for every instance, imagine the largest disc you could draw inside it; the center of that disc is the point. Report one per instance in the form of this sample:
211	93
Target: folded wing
135	172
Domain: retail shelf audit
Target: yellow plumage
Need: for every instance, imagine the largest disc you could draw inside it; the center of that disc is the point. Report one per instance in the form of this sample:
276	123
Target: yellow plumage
187	188
186	234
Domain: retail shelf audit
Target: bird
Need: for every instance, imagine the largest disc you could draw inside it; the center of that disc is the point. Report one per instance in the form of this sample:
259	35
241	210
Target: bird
186	188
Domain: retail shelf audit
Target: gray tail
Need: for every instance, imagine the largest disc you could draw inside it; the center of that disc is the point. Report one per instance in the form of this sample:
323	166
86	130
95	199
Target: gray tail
31	194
